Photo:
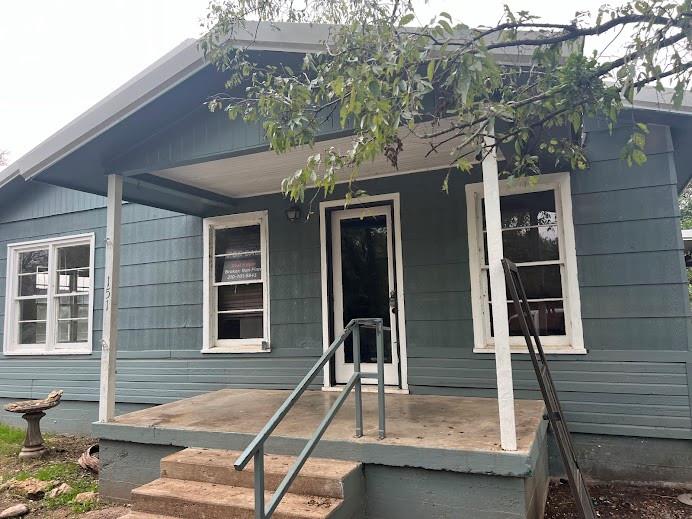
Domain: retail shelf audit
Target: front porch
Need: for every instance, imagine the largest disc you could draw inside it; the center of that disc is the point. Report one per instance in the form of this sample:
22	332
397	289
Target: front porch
442	445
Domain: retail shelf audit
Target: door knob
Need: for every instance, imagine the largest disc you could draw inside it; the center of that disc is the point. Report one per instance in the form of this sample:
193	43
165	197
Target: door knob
393	301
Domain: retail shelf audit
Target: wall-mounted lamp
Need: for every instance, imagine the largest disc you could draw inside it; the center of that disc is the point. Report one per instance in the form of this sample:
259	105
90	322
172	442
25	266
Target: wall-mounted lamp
294	213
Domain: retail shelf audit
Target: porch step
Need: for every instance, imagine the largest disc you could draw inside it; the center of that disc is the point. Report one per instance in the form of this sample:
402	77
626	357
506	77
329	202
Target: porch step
203	484
196	500
318	477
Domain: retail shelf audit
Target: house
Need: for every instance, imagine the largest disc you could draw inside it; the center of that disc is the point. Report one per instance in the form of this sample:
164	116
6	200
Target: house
208	292
687	242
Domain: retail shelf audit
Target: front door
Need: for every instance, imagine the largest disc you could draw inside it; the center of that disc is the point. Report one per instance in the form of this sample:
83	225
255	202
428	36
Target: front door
364	285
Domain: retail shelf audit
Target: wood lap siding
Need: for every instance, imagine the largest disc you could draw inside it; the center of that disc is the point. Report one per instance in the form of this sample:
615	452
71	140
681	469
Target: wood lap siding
634	379
160	315
47	201
634	294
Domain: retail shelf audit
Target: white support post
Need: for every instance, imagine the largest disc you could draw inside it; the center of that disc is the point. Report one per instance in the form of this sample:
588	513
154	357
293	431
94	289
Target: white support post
109	342
503	356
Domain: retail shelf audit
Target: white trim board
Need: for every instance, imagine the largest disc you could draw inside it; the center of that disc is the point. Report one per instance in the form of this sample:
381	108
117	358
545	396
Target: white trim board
395	199
573	341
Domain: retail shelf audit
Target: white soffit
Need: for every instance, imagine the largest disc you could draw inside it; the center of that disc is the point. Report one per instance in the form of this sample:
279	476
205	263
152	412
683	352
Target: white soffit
262	173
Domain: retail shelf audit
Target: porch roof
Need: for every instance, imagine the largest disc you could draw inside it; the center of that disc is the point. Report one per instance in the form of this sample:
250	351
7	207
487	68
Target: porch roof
169	95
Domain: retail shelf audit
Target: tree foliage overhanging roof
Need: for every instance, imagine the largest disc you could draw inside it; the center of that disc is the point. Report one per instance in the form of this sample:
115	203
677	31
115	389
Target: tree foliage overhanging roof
385	74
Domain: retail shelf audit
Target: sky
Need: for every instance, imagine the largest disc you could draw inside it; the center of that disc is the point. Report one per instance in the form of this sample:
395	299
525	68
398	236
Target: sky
60	57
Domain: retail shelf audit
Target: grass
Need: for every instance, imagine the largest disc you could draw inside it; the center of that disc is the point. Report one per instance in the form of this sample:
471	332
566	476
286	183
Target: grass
11	439
73	475
53	472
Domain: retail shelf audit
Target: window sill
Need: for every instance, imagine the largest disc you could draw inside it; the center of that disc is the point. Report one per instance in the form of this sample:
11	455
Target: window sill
548	350
45	353
240	348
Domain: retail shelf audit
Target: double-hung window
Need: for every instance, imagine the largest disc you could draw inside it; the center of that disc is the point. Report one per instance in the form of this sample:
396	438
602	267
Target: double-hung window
537	235
49	296
236	302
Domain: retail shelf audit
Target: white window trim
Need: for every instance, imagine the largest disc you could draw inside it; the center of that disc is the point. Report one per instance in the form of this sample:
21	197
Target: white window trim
573	341
51	347
209	343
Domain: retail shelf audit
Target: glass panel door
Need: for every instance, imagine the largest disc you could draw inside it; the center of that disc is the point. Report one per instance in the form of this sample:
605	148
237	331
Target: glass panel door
364	286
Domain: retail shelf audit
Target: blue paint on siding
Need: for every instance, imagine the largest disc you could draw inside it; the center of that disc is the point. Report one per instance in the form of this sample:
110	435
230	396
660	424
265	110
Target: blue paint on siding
47	201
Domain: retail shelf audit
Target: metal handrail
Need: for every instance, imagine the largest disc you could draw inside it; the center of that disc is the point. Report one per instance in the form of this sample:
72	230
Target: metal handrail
255	449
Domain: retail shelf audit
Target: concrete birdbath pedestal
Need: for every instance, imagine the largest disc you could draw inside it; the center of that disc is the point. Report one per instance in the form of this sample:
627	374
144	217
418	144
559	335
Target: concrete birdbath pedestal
32	411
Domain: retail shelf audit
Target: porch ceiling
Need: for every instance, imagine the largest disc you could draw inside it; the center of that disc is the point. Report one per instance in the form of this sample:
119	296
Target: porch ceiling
262	172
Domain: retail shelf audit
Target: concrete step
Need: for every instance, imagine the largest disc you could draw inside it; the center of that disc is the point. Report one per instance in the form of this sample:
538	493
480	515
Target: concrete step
197	500
318	477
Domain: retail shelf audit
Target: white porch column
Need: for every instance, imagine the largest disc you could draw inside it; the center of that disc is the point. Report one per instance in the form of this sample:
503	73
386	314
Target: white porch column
109	342
503	357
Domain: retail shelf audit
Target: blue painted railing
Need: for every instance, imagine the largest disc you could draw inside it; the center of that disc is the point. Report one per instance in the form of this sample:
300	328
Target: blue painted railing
256	447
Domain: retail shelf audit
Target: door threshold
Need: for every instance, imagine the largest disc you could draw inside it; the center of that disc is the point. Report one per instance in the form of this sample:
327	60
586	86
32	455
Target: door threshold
370	388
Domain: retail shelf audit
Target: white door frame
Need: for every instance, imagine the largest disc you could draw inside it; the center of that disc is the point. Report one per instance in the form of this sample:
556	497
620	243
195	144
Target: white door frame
399	272
391	369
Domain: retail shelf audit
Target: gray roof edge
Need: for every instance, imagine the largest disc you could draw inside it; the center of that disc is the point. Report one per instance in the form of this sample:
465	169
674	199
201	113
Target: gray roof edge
648	98
8	175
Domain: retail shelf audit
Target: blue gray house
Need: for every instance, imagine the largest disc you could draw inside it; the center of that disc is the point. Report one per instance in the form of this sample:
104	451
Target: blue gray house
148	257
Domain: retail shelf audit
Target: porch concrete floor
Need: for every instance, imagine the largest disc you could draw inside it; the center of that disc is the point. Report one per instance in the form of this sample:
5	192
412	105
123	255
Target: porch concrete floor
442	422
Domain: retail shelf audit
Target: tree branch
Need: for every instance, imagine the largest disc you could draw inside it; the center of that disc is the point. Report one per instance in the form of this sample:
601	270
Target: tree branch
575	33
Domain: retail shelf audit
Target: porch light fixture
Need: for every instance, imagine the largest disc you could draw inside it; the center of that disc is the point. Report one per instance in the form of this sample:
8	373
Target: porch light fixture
294	213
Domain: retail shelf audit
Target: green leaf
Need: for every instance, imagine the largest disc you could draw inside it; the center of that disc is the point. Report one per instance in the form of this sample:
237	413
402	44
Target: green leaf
639	157
447	27
338	86
406	19
431	69
463	165
642	7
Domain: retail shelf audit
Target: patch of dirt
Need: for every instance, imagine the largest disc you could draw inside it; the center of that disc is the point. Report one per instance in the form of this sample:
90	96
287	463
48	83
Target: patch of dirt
62	448
113	512
618	501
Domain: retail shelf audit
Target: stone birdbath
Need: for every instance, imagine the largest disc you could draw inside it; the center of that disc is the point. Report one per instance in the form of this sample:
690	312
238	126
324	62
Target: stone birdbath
32	411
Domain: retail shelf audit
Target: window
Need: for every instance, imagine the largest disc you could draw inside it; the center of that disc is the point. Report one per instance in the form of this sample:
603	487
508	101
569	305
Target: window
49	296
236	313
538	235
